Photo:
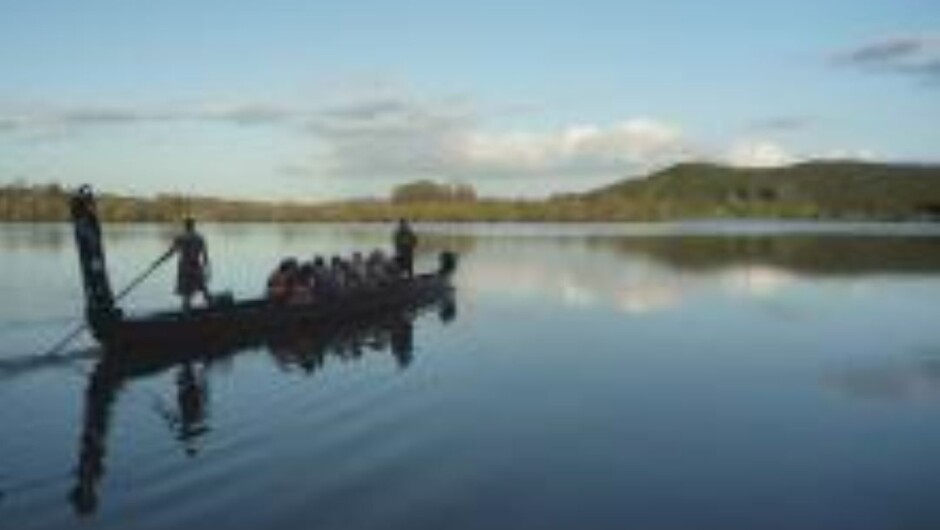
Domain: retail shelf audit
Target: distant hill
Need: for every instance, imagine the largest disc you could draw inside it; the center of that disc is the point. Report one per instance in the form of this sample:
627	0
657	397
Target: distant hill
809	189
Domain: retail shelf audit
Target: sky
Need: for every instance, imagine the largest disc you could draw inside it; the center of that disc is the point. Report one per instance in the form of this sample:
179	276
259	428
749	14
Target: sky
322	100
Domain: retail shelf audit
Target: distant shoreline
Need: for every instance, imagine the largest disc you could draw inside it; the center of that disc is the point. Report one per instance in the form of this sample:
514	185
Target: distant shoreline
208	219
812	191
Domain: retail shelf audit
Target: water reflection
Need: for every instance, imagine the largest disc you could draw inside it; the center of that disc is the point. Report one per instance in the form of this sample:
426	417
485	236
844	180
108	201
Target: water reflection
640	275
805	253
888	378
37	236
669	326
802	254
804	248
189	417
393	333
629	287
189	420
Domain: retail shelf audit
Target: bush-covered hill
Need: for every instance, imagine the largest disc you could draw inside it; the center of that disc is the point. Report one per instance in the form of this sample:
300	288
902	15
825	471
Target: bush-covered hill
811	189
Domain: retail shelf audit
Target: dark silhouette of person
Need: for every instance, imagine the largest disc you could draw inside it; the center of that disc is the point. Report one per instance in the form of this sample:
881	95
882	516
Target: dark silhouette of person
405	242
193	267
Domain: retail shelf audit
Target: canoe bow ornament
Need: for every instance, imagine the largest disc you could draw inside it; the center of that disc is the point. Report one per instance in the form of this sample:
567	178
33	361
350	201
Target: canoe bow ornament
99	298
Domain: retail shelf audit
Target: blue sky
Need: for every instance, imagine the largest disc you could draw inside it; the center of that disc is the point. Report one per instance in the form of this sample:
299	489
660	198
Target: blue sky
317	100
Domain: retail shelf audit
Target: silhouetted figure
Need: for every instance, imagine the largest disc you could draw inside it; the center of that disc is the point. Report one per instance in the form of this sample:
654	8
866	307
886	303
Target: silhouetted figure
192	273
405	242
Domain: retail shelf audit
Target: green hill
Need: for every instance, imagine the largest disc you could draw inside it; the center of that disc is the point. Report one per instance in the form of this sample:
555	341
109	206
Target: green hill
809	189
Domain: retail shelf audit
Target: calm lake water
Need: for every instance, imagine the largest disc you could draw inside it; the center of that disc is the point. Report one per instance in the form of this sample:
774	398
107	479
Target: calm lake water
699	375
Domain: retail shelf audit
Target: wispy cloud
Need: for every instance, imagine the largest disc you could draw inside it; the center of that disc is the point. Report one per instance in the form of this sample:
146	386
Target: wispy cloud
98	115
915	55
400	137
782	124
408	138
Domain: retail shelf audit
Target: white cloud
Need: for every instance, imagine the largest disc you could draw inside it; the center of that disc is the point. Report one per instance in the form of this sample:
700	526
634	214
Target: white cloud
758	153
849	154
395	137
764	153
574	149
407	139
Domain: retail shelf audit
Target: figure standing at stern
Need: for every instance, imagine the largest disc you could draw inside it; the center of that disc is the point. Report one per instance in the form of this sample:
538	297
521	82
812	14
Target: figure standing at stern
193	267
405	242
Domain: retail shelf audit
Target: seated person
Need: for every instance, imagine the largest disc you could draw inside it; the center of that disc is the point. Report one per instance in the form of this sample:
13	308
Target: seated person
321	277
337	274
357	269
350	278
301	291
377	267
281	280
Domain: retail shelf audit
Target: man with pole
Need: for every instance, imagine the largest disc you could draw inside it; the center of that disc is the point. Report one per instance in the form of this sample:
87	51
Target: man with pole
193	267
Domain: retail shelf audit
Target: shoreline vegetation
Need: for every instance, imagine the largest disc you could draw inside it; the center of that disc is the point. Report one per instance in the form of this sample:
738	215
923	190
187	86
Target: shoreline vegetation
831	190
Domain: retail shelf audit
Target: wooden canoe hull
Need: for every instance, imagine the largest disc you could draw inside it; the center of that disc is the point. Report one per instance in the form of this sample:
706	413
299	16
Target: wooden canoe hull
248	322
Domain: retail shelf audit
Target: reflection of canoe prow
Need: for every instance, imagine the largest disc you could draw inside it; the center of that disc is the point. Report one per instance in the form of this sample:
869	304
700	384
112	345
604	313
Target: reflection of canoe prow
226	324
256	321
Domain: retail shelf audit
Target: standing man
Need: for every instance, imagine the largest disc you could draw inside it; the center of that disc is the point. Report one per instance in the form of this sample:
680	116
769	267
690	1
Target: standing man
193	267
405	242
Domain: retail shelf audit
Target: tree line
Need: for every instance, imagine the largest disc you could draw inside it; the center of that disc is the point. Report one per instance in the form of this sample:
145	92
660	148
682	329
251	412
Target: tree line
820	190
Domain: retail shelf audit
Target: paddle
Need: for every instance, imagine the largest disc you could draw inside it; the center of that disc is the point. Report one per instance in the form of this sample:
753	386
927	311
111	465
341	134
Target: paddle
124	292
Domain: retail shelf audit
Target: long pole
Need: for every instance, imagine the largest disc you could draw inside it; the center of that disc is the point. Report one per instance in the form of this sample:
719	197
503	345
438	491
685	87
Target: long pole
141	277
65	340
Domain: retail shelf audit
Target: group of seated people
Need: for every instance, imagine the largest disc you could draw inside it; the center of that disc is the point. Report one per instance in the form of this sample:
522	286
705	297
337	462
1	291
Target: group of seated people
294	282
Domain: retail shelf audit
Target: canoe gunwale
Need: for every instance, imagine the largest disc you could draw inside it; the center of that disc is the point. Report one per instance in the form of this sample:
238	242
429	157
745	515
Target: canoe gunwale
254	320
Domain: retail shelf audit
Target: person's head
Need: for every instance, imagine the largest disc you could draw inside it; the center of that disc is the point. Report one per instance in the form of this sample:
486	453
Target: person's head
189	224
318	261
402	222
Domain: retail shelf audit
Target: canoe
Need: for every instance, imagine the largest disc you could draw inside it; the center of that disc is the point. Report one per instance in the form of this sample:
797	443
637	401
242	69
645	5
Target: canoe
244	323
227	323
